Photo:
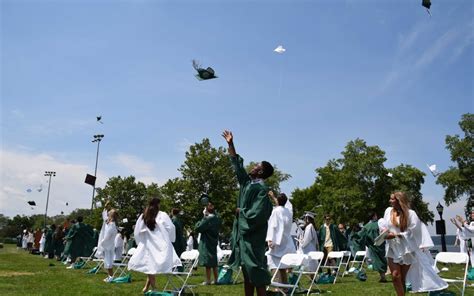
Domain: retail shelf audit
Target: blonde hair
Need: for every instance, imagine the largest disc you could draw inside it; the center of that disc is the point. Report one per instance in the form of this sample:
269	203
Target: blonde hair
113	215
404	203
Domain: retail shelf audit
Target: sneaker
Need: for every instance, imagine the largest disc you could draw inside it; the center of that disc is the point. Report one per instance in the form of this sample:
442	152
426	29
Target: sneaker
70	266
205	283
109	279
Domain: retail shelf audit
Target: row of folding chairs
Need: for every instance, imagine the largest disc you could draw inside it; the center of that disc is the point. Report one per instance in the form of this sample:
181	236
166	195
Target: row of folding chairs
298	262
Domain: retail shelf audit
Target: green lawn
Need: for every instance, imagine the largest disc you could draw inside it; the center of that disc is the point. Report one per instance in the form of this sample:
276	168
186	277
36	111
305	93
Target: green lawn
25	274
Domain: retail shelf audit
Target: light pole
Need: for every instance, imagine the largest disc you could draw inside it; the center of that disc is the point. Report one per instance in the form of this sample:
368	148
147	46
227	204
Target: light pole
97	138
441	227
48	174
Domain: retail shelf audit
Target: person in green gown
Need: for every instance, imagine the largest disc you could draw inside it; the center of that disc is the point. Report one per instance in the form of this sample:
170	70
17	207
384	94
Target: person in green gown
80	238
331	239
254	208
49	245
208	227
366	238
58	243
179	244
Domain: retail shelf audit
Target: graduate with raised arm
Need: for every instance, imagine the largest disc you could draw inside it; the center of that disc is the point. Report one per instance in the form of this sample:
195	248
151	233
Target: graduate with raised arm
154	233
208	227
106	246
250	226
279	238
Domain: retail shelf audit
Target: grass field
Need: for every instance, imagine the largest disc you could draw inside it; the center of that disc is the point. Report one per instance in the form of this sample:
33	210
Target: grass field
25	274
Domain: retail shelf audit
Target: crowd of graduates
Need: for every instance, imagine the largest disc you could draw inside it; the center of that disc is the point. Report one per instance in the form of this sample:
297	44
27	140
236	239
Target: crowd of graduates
263	232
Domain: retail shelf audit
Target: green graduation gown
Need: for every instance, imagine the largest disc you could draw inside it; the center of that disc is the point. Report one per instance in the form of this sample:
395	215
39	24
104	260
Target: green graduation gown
209	228
180	242
250	227
49	245
366	237
80	238
339	241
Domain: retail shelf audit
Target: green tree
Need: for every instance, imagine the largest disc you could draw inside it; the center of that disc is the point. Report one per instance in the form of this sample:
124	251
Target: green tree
205	170
458	181
350	186
126	195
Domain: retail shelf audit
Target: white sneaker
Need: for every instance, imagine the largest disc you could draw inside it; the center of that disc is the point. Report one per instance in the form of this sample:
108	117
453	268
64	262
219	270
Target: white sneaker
70	266
109	279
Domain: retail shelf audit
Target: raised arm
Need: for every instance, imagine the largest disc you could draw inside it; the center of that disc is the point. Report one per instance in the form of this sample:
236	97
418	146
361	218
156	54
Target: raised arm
229	138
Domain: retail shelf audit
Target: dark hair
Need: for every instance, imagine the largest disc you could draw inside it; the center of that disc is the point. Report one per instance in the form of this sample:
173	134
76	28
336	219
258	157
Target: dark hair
267	169
80	219
282	199
175	211
150	213
371	215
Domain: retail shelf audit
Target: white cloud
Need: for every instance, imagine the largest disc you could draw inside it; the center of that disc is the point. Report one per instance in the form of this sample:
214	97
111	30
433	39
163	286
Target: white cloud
438	47
23	170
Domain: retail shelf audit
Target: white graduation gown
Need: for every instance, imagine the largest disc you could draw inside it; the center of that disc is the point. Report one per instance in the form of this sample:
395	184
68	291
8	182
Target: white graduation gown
422	276
279	232
42	243
309	243
107	235
118	247
190	244
466	233
155	253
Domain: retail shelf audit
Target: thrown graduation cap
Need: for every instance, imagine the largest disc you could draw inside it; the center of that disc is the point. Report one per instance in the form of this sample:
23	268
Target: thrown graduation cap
28	190
390	175
32	203
99	118
204	199
279	49
41	188
433	170
203	74
90	180
62	213
124	220
427	5
67	204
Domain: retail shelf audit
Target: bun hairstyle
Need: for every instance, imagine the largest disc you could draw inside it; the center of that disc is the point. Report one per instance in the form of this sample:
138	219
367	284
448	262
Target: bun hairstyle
403	212
150	213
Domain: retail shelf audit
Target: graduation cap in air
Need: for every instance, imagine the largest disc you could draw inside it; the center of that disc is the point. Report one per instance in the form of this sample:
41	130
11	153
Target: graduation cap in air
32	203
390	175
67	204
62	213
99	118
203	74
279	49
90	180
124	220
204	199
433	170
427	5
28	190
41	188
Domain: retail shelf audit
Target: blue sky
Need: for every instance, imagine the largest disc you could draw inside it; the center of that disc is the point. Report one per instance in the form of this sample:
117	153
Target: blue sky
383	71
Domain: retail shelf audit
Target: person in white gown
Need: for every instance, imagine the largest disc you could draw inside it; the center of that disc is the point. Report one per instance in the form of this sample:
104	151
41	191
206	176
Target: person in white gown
119	243
279	238
465	231
42	242
406	260
106	244
154	233
309	241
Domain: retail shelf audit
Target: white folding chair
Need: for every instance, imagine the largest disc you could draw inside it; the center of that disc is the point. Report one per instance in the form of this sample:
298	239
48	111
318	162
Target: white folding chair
338	256
122	266
295	261
454	258
358	255
345	262
89	261
189	260
224	257
313	275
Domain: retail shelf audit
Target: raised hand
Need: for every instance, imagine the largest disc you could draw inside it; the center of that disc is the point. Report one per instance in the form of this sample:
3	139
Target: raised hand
228	136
